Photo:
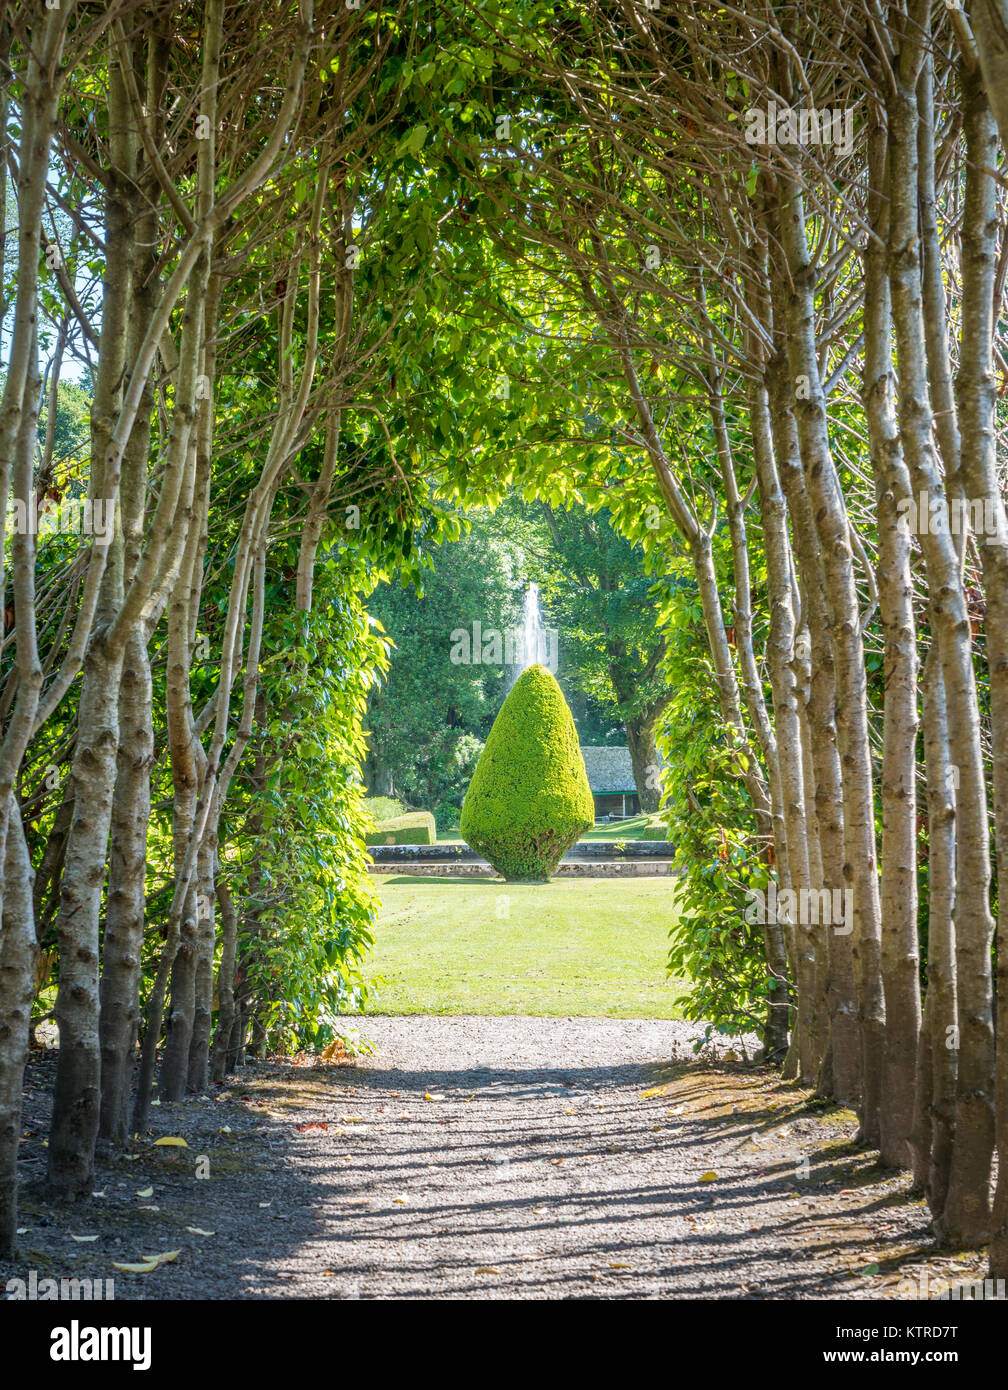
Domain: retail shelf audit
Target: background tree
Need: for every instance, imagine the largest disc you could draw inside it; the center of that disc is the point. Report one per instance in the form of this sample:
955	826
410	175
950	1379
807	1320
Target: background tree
428	719
598	592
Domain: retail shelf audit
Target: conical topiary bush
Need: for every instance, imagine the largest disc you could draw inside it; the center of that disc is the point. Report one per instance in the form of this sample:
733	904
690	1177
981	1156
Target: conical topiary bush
529	798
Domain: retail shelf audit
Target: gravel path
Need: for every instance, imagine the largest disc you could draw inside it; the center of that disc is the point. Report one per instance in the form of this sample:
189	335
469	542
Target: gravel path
481	1157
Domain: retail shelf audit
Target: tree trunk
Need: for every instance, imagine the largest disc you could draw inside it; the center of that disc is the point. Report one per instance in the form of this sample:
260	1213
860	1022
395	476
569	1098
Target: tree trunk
900	950
966	1218
124	917
816	661
976	395
640	734
812	1021
219	1056
934	1103
122	947
830	515
77	1091
18	950
199	1048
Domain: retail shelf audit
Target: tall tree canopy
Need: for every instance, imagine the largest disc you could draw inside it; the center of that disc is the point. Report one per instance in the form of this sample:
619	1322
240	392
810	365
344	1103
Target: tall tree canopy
735	276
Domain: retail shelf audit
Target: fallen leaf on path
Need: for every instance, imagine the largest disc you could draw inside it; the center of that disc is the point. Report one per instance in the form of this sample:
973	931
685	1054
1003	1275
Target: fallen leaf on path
310	1125
614	1264
81	1238
487	1269
428	1096
655	1091
144	1268
708	1177
146	1192
170	1142
166	1257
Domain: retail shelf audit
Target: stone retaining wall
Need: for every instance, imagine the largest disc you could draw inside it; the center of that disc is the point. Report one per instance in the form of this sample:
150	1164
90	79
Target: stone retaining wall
646	868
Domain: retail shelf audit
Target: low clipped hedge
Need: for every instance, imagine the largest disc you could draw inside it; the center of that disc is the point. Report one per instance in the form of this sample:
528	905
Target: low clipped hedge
529	798
414	828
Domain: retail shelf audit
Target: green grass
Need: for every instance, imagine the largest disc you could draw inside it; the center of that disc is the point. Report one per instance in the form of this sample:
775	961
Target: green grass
637	828
594	948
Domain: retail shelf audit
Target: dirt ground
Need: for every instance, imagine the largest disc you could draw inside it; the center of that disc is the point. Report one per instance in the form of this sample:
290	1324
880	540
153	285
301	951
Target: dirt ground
481	1157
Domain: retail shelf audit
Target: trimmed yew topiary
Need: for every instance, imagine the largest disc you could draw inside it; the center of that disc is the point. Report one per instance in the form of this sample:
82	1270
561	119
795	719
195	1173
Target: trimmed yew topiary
529	798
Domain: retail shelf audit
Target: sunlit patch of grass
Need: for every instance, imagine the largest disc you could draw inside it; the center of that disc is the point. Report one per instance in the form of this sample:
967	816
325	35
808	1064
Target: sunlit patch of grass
577	946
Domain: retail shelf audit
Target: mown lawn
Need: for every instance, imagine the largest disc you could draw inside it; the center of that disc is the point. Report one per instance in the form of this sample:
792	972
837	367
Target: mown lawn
589	947
636	828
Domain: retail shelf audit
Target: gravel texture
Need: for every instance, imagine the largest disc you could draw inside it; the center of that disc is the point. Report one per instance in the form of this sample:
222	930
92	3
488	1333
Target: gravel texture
488	1157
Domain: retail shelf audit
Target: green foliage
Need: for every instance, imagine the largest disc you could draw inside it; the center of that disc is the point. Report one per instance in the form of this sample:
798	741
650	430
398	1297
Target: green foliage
298	863
529	798
596	589
427	721
383	808
447	815
708	817
414	828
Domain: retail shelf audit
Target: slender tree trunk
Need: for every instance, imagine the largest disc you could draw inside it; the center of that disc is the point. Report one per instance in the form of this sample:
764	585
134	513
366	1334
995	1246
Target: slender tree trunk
41	78
122	946
937	1080
990	23
199	1049
934	1126
966	1216
976	395
185	782
18	951
812	1022
798	1059
219	1056
124	919
821	715
900	949
830	515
